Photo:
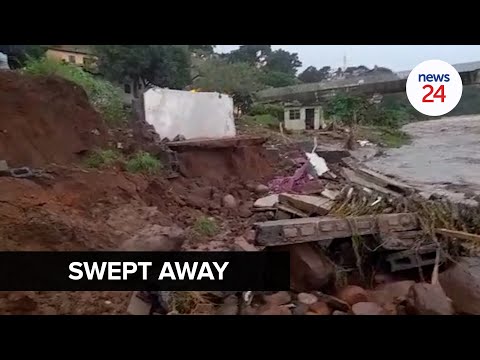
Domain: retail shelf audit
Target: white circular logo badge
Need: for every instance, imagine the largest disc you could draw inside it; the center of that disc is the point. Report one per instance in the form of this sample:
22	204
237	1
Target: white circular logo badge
434	87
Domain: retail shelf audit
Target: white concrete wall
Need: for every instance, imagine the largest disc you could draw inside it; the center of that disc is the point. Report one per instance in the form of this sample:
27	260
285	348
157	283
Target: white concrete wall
193	115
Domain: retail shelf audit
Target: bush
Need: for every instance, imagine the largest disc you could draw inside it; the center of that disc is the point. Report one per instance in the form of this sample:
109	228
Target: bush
205	226
103	95
276	111
143	162
103	158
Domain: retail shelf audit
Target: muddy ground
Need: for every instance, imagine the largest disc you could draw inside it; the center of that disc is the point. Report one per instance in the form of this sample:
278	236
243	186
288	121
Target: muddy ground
443	158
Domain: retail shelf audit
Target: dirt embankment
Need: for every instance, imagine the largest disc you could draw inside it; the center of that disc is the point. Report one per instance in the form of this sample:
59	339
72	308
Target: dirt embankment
45	120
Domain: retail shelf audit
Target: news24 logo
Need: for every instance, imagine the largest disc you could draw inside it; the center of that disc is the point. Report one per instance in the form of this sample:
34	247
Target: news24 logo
434	87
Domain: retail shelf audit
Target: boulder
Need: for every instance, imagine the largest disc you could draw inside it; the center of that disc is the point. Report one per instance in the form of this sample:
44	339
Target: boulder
367	308
300	309
352	294
156	238
307	299
274	310
279	298
320	308
267	201
310	268
461	283
227	309
229	201
395	292
261	189
428	299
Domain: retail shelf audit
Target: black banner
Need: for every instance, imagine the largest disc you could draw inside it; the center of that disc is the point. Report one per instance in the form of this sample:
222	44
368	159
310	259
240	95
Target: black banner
132	271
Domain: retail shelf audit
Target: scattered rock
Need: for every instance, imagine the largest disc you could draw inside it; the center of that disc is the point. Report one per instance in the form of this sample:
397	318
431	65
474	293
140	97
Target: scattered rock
333	302
274	310
307	299
227	309
229	201
156	238
428	299
338	312
249	235
395	292
390	309
352	294
310	268
300	309
261	189
244	212
241	244
307	203
367	308
461	283
320	308
279	298
95	132
310	313
267	201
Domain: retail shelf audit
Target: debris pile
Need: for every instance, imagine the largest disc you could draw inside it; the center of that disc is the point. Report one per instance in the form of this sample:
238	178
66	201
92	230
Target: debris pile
359	244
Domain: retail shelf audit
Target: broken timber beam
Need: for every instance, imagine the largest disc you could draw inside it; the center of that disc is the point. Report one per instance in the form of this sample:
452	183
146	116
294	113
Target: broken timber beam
458	234
307	203
294	231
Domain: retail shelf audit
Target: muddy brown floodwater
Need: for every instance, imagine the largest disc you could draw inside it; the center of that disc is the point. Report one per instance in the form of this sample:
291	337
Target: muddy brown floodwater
443	158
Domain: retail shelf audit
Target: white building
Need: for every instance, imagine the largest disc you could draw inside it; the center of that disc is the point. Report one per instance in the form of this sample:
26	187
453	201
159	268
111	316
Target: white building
301	117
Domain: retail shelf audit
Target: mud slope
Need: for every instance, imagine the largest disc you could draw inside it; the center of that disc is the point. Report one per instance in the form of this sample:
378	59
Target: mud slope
45	120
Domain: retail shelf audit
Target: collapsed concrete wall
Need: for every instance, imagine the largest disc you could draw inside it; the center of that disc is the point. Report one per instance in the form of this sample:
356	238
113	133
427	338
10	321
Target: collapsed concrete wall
193	115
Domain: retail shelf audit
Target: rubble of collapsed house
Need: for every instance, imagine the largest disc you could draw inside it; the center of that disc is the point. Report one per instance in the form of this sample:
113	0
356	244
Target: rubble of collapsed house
352	250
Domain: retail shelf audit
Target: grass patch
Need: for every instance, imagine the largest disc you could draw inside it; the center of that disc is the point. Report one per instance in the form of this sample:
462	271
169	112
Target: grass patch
205	226
264	120
143	162
105	97
103	158
392	138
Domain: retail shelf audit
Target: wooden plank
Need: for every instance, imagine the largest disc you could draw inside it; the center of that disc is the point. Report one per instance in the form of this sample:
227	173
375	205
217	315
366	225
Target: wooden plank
385	181
353	177
458	234
292	210
307	203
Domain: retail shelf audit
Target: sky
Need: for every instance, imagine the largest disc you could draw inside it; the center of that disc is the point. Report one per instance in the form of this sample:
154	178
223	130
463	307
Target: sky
395	57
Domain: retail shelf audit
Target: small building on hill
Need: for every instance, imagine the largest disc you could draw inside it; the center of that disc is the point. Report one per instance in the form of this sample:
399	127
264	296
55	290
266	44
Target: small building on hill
299	116
82	55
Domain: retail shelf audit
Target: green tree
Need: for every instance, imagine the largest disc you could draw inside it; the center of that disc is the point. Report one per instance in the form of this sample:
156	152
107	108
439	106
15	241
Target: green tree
283	61
19	54
277	79
312	75
254	55
160	65
239	80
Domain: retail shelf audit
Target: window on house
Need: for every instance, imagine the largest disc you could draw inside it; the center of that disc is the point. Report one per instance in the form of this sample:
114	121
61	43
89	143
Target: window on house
127	88
71	59
294	114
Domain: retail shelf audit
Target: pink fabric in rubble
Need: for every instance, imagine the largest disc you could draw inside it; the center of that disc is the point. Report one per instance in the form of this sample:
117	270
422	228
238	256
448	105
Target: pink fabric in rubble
292	183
